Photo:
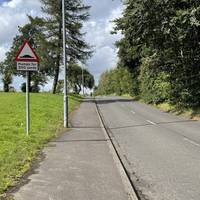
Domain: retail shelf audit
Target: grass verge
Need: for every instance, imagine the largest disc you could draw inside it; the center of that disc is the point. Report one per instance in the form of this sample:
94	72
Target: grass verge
16	149
193	113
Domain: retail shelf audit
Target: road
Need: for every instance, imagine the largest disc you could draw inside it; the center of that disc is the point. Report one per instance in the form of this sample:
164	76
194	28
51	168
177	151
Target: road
162	151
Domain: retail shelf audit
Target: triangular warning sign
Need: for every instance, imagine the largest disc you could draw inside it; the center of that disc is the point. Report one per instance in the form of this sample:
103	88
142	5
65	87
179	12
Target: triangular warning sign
26	53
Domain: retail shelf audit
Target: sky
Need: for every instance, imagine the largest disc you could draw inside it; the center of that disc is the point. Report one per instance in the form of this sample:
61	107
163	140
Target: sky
13	13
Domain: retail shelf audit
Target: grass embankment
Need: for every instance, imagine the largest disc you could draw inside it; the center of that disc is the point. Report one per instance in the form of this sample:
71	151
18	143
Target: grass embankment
16	149
193	113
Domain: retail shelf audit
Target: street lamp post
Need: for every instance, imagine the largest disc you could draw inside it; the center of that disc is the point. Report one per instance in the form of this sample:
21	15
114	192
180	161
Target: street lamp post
65	68
83	80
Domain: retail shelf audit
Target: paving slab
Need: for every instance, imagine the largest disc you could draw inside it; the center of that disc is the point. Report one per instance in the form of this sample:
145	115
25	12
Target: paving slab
77	166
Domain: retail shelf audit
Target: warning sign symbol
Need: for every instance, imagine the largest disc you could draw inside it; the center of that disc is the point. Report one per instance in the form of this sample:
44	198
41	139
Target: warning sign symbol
26	53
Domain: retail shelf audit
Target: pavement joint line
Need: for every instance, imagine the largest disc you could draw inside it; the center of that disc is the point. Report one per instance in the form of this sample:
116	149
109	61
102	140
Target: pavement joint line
122	170
77	127
94	140
153	123
191	142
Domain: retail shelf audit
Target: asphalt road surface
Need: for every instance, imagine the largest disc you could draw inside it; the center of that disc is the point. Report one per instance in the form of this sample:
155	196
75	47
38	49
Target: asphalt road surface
162	150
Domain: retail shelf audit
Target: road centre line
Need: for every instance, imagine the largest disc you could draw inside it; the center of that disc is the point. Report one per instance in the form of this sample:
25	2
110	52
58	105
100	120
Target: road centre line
153	123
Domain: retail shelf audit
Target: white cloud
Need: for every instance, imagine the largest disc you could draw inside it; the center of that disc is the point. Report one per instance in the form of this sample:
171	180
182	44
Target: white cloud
98	34
3	51
13	14
105	58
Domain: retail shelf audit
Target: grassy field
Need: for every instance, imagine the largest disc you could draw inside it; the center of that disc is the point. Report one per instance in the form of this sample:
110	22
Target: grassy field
16	149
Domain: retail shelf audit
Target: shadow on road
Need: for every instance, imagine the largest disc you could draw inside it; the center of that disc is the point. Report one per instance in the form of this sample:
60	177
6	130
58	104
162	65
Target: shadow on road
107	101
148	124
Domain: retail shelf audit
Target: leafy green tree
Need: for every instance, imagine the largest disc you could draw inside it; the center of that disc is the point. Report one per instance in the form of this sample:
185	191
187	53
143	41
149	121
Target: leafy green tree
75	78
6	77
60	86
165	33
77	48
33	32
116	81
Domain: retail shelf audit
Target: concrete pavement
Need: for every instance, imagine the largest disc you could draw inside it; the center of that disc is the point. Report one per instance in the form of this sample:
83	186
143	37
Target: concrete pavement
77	166
162	151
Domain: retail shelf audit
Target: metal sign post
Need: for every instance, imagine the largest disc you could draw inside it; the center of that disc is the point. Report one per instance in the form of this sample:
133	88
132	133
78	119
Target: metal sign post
65	69
27	104
27	60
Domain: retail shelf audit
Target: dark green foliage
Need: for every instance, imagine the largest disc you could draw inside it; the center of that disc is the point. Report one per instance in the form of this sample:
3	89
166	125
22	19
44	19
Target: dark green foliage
23	87
161	48
117	81
76	76
34	88
60	86
77	48
33	32
154	85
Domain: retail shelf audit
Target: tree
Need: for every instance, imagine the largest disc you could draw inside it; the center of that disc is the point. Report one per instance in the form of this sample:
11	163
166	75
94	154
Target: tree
60	86
77	48
116	81
166	33
32	31
6	76
75	78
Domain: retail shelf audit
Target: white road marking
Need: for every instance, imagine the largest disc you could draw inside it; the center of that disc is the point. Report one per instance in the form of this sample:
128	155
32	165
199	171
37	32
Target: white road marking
153	123
133	112
191	142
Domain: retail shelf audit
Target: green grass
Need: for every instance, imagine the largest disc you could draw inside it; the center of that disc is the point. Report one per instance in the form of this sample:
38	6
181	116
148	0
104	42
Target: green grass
16	149
193	113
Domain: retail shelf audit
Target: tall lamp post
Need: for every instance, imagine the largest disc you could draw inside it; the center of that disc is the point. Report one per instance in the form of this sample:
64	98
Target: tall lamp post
83	80
65	69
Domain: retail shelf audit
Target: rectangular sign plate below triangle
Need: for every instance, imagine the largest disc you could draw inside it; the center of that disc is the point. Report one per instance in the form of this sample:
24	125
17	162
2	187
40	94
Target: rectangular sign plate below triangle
27	66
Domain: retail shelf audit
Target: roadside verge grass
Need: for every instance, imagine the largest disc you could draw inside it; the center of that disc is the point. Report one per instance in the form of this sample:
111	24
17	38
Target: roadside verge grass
193	113
16	149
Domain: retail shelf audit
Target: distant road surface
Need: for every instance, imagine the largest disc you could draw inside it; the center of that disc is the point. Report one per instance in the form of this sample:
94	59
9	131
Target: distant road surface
161	150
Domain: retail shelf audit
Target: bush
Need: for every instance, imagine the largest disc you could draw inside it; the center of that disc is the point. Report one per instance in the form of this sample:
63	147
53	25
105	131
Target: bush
154	85
117	81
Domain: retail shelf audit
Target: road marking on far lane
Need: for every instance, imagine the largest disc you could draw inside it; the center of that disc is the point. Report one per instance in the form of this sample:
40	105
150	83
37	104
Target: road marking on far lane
153	123
133	112
191	142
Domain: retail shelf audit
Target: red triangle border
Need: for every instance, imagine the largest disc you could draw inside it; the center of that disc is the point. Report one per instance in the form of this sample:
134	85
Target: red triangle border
26	60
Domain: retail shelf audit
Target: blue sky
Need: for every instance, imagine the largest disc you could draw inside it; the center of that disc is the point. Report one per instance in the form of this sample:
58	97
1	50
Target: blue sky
13	13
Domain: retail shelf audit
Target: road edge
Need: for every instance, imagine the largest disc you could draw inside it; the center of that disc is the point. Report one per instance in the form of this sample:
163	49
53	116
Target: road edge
124	174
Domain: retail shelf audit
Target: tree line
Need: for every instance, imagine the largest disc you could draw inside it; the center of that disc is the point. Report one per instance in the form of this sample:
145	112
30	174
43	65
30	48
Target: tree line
45	35
160	48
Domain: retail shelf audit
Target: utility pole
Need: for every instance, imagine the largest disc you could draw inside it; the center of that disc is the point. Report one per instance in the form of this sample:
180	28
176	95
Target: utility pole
65	69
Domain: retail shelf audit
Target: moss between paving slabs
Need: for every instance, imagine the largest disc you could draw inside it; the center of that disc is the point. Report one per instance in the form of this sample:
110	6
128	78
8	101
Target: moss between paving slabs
16	149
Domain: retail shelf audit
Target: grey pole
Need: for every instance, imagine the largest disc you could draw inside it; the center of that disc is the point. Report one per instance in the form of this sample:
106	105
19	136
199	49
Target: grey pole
83	81
27	105
65	69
